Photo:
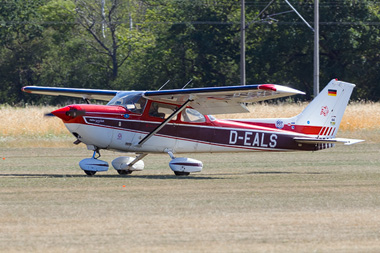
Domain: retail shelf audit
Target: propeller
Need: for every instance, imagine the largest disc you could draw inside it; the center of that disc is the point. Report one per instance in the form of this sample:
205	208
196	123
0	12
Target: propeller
49	114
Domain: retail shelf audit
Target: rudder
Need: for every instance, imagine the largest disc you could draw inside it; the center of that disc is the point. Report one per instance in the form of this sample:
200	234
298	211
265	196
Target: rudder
325	112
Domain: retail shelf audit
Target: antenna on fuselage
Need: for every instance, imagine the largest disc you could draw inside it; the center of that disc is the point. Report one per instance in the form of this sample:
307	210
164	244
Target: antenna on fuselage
187	84
164	84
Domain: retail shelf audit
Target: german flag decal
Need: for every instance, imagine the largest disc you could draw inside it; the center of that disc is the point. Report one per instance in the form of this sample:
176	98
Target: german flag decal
332	93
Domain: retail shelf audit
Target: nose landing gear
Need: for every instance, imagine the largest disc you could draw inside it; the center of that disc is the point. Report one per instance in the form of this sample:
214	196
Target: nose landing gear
92	165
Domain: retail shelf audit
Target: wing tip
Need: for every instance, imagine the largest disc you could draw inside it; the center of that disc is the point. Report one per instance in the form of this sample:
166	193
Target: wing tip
280	88
271	87
25	89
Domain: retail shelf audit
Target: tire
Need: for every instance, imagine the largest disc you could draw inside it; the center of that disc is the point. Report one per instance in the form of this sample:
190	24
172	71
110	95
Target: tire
90	172
124	172
181	173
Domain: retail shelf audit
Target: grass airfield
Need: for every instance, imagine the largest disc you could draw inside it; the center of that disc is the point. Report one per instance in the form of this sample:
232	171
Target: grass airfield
326	201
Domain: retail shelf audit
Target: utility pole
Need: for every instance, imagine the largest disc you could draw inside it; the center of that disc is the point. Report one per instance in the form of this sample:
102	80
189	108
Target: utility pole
316	48
242	44
316	40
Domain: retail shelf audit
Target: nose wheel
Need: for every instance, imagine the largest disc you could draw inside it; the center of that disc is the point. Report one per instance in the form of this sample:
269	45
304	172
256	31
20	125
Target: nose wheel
92	165
96	155
89	172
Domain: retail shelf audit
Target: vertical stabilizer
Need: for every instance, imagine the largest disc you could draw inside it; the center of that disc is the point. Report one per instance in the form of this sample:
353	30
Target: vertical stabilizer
324	114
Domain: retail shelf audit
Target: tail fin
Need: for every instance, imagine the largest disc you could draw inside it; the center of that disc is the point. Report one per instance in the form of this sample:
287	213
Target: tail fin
323	115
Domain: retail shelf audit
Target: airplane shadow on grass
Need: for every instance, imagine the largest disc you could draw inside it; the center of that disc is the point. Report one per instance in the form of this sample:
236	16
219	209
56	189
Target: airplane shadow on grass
273	173
109	176
288	172
169	177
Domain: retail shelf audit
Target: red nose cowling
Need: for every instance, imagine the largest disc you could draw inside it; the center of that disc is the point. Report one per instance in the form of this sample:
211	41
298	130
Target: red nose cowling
67	113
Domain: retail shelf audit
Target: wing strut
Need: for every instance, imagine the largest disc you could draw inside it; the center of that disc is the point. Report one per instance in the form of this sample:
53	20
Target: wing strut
166	121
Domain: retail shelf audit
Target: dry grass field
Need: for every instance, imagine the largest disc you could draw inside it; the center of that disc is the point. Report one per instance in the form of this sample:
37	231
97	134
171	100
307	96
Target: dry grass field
325	201
28	127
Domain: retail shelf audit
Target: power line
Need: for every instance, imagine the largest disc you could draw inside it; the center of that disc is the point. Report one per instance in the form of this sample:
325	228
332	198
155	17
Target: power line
326	23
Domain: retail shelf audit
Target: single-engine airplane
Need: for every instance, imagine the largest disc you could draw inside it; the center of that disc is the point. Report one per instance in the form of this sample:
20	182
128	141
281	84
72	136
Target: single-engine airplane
179	121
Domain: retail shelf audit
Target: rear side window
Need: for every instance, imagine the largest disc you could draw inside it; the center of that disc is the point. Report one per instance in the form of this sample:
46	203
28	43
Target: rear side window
191	115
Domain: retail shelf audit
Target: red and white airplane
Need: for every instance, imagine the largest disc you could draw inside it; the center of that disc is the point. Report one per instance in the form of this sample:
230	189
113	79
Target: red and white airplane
179	121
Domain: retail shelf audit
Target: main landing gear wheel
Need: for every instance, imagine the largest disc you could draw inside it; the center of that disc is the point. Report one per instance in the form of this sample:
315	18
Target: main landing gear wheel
89	172
181	173
124	172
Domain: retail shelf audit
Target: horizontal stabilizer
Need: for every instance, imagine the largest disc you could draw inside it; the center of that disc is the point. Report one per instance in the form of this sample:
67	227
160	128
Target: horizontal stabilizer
326	141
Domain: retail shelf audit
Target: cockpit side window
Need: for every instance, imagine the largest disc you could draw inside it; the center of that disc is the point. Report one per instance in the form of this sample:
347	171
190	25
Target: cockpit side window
160	110
139	106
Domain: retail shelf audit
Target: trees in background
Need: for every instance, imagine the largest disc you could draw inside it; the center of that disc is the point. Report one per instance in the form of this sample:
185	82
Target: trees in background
140	44
22	48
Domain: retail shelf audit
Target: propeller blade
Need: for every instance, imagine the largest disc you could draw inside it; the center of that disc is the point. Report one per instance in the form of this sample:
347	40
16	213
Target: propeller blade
49	114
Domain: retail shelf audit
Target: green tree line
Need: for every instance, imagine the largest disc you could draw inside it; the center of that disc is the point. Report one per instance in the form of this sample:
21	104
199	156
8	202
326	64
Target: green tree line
141	44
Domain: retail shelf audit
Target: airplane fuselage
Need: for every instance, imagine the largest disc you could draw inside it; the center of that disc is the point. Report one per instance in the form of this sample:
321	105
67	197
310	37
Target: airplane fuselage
114	127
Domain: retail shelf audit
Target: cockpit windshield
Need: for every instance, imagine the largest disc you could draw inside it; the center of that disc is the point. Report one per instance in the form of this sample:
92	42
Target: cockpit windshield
132	101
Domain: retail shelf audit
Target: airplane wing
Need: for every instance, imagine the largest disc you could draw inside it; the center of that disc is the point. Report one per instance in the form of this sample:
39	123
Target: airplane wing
211	100
222	100
105	95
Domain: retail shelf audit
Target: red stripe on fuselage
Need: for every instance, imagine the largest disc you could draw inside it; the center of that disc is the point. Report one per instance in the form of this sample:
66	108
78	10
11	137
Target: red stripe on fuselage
302	129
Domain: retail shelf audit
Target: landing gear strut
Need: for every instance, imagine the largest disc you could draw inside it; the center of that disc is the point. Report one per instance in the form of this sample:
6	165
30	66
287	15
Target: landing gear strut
96	152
